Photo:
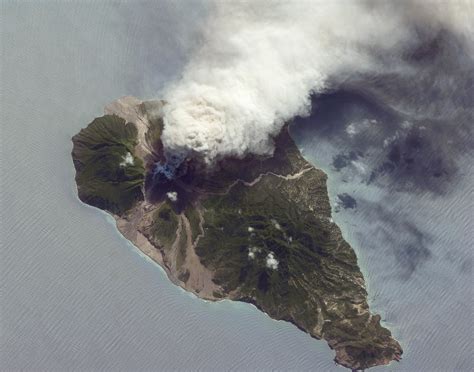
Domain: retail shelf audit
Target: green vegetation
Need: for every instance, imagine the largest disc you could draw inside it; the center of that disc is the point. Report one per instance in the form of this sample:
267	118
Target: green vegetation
164	226
272	243
108	175
250	225
275	245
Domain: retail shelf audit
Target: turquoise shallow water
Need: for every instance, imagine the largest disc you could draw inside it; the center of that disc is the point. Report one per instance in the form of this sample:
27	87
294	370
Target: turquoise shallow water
76	295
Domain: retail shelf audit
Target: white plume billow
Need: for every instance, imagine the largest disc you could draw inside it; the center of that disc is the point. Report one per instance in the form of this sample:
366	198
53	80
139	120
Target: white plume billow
261	61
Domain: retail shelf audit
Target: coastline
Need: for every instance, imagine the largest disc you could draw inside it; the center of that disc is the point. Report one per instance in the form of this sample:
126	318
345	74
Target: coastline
145	248
342	220
177	255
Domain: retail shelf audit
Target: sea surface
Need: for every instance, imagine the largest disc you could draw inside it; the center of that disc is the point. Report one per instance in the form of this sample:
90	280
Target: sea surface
75	295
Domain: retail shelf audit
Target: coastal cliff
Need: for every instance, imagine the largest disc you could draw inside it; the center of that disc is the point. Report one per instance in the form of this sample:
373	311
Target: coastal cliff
257	229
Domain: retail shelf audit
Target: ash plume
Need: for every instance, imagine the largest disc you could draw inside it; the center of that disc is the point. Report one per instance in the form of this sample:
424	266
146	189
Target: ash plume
260	62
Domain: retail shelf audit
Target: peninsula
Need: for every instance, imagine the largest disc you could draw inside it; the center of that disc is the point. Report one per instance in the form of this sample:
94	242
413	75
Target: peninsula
257	229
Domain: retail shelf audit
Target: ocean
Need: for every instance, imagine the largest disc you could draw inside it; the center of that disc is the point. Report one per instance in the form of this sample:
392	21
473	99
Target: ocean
76	295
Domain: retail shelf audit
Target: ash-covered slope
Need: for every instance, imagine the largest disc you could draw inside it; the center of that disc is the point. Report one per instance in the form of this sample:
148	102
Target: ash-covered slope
256	229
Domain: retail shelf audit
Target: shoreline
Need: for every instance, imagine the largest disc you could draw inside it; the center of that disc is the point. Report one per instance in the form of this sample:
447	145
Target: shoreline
362	261
145	248
155	261
177	254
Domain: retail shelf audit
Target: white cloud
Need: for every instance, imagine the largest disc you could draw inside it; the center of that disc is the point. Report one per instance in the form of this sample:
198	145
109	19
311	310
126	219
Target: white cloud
351	129
127	160
276	224
253	251
172	196
389	140
271	261
356	127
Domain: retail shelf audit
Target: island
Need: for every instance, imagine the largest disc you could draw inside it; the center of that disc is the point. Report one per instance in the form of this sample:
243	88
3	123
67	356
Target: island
257	229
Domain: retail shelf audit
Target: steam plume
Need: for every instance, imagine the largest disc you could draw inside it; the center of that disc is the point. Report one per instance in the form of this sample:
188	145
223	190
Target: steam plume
260	62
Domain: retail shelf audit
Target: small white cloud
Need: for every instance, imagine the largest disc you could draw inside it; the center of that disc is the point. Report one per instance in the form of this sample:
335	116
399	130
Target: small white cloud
172	196
276	224
389	140
351	129
356	127
272	262
253	251
127	160
406	124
